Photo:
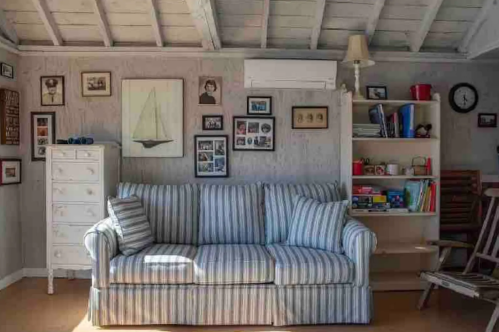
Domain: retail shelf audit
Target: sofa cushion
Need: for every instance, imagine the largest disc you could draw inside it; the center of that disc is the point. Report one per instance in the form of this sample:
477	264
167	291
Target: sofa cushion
317	225
130	223
158	264
172	210
279	205
305	266
231	264
231	214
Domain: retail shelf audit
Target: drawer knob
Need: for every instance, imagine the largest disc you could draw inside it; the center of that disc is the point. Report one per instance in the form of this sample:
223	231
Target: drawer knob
58	190
90	192
57	254
60	170
90	213
63	153
86	154
91	170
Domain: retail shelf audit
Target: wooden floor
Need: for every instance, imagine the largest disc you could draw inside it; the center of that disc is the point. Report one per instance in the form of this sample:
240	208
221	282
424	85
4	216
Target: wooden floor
26	307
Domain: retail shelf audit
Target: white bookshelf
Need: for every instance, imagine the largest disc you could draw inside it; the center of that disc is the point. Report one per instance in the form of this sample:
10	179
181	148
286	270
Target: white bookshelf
402	236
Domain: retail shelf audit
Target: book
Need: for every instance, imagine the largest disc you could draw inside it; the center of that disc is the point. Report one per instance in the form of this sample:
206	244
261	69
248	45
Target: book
433	197
412	193
406	114
377	116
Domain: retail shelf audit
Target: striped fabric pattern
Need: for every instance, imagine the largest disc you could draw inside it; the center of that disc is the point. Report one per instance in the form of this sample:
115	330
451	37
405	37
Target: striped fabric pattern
158	264
323	304
279	205
359	243
231	264
130	223
173	211
232	214
102	245
305	266
317	225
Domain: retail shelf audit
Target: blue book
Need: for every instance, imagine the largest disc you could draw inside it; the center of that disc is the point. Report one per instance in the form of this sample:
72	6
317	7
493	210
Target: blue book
406	113
412	193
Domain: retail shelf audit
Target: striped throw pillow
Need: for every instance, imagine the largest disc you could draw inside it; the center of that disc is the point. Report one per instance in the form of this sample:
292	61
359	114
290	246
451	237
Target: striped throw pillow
317	225
130	223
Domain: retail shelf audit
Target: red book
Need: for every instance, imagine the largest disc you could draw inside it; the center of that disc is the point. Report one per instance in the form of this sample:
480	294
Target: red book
433	197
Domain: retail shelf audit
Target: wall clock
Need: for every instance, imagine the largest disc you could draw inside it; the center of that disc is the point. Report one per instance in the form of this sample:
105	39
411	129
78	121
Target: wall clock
463	97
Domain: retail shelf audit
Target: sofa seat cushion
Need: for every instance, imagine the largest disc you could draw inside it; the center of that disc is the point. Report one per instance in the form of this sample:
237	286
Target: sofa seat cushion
231	264
158	264
306	266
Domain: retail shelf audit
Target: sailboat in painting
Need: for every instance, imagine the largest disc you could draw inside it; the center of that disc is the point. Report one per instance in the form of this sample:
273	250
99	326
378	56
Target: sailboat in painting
150	130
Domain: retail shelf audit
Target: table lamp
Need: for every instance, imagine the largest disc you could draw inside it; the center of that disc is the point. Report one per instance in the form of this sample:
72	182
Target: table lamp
357	57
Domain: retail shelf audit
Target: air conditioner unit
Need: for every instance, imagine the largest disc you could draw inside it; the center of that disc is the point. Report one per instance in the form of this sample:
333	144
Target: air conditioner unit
290	74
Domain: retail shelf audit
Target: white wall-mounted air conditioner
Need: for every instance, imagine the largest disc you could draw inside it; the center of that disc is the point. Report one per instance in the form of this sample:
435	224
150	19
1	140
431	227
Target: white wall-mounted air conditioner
290	74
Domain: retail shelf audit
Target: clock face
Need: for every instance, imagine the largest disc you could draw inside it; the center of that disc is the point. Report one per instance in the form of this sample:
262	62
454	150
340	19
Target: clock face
463	98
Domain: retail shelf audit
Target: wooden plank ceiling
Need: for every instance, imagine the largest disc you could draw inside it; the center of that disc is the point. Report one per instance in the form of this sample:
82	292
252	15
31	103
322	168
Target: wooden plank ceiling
391	25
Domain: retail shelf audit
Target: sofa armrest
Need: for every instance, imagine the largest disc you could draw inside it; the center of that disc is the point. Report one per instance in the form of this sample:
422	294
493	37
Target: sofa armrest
102	245
359	243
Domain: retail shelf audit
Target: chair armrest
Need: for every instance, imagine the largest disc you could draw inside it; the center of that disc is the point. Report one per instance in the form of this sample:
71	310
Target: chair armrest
359	243
450	244
102	245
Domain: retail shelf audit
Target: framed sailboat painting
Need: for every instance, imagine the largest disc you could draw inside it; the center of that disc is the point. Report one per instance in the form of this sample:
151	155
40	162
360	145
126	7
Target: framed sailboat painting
152	119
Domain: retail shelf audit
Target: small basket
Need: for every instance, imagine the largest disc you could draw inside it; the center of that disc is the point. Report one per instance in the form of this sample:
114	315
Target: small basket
419	169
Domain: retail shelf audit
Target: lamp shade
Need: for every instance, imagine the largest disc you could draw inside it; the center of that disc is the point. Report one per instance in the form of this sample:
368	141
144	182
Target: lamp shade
357	51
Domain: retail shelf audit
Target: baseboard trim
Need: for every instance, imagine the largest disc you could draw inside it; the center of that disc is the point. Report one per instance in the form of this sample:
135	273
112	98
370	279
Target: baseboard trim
11	278
29	272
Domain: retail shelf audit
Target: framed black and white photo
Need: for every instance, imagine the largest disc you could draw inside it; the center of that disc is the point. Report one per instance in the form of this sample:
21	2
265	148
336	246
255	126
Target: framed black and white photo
42	134
211	158
252	133
259	105
96	84
210	90
377	92
487	120
310	117
7	70
10	171
213	122
52	90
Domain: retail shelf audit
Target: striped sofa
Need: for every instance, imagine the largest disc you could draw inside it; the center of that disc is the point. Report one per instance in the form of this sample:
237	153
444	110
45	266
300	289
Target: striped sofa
220	258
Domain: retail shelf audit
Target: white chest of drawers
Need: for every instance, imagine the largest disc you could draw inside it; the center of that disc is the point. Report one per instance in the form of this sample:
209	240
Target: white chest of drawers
79	179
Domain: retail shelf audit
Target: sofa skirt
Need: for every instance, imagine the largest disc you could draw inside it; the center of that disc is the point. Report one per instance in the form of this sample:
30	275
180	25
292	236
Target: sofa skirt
263	304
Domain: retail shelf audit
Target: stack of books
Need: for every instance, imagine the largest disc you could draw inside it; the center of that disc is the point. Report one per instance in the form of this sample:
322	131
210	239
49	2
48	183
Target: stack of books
366	199
421	195
367	130
398	124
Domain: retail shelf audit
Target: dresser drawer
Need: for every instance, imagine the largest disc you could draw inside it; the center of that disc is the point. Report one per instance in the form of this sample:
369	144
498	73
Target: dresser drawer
73	213
68	234
75	171
76	192
88	154
70	255
63	154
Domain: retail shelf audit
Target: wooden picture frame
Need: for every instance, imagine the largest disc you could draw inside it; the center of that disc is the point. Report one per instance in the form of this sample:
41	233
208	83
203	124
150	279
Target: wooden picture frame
52	91
6	70
487	120
310	117
10	171
377	92
9	117
253	133
254	105
96	84
210	126
43	132
211	157
210	90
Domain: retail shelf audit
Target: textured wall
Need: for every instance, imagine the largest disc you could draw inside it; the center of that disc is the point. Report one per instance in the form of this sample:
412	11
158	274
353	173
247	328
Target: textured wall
10	223
300	156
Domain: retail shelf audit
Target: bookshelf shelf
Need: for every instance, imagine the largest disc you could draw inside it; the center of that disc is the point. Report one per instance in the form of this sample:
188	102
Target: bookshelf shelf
394	177
399	249
390	281
392	214
396	102
395	140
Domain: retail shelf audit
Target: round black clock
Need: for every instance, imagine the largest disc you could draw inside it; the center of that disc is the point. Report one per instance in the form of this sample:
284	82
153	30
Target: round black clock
463	97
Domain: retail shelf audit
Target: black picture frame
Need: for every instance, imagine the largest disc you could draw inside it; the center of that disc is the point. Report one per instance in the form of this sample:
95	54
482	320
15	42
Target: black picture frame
452	101
250	112
483	124
212	138
87	94
296	109
5	65
219	117
2	160
370	87
61	78
35	144
236	135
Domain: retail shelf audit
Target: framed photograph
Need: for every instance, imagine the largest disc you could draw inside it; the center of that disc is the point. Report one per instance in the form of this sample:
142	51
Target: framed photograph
210	90
42	134
96	84
9	117
52	90
7	70
313	117
259	105
10	171
211	158
487	120
213	122
252	133
377	92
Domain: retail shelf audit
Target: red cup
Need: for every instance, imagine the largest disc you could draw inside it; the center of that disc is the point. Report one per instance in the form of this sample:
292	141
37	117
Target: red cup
421	92
358	168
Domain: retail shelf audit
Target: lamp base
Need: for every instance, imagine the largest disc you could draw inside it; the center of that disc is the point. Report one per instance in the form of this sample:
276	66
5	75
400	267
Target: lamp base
358	96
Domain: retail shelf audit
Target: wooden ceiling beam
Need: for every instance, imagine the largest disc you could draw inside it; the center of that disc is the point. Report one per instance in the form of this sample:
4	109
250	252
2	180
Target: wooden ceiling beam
320	7
155	22
7	29
419	36
204	15
372	23
48	20
8	45
265	23
102	23
472	31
